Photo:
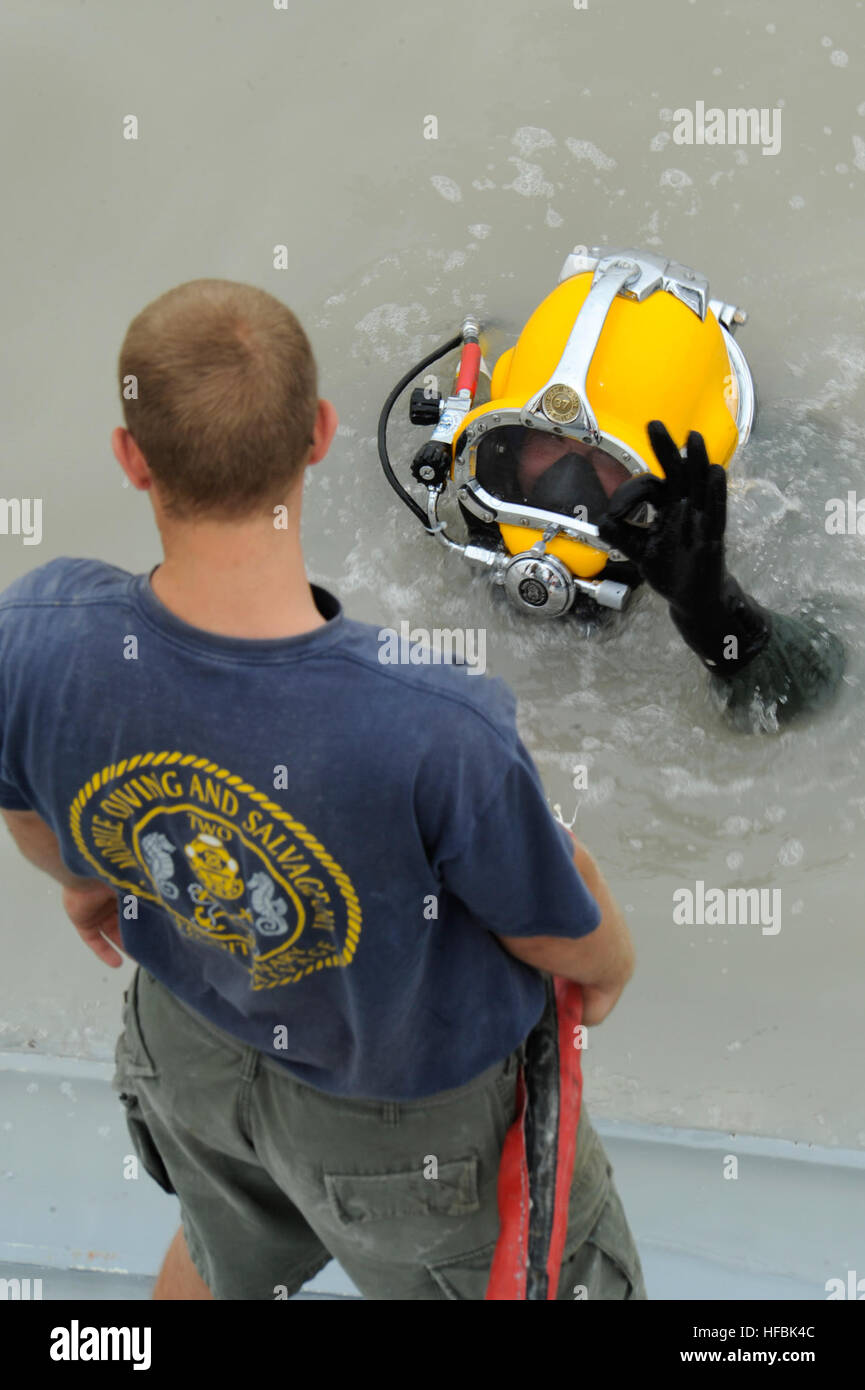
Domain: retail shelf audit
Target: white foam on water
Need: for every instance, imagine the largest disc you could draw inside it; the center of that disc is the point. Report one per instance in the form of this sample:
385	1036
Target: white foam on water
529	138
530	181
791	853
386	321
585	150
682	782
675	178
448	188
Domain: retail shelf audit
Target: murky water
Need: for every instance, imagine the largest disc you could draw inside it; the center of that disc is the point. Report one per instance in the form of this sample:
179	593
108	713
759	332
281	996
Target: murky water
555	127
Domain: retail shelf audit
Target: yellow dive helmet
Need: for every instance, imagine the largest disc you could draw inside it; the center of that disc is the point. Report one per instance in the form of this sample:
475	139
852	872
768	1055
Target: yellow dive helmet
626	337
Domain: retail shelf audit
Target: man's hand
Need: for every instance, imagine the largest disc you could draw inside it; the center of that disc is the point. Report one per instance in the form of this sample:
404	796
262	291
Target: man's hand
598	1002
93	913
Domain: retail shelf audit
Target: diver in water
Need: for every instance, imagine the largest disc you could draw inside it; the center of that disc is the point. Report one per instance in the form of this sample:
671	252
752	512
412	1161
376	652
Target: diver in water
758	659
572	499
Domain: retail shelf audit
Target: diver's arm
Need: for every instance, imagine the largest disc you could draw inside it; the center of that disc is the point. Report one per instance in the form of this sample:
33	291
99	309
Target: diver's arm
798	668
765	667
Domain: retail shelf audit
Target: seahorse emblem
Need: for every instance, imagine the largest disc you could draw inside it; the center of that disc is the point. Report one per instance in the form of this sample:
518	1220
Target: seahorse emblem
157	850
273	911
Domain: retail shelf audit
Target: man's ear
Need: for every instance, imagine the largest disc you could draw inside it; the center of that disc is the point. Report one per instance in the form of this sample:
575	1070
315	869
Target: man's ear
131	459
326	422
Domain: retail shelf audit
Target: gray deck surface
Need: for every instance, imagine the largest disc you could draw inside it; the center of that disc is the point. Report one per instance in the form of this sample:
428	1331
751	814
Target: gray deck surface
792	1219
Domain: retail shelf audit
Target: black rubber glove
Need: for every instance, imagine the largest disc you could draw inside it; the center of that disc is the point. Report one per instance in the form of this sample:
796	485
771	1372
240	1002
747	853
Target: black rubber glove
680	553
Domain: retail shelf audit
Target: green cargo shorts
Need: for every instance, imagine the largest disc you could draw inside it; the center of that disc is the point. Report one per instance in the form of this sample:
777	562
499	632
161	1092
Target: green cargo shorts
275	1178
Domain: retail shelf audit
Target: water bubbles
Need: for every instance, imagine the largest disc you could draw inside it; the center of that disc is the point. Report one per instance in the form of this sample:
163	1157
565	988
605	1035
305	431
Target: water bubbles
532	137
448	189
585	150
735	825
735	859
480	230
839	58
791	853
389	321
797	201
530	181
660	141
675	178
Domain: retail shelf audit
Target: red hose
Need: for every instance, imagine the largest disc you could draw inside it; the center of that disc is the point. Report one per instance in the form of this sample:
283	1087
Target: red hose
470	365
560	1095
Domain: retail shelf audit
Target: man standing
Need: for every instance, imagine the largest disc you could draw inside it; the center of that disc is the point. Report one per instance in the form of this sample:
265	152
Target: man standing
340	878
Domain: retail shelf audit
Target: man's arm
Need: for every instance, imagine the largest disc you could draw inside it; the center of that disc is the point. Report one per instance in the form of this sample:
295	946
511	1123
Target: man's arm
38	843
602	962
90	904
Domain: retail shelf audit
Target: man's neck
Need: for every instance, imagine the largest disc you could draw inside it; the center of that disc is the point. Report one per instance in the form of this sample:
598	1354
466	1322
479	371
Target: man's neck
237	581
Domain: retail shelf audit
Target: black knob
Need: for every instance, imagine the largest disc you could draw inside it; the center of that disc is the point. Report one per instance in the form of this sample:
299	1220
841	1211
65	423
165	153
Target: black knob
424	409
431	464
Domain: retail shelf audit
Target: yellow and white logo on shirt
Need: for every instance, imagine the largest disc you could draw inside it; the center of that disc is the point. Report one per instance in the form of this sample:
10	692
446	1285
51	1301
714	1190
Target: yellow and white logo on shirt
230	866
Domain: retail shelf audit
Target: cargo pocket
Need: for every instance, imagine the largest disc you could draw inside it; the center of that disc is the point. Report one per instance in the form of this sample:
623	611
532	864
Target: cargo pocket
361	1198
606	1267
465	1276
134	1065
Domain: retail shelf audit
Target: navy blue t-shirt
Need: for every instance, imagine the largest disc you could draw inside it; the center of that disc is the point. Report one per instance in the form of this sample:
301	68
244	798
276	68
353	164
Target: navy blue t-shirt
312	849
